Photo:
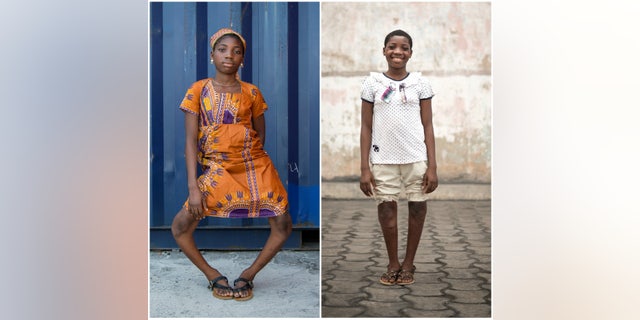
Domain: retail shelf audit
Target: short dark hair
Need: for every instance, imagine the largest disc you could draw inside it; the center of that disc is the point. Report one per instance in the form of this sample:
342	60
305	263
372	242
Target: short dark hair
401	33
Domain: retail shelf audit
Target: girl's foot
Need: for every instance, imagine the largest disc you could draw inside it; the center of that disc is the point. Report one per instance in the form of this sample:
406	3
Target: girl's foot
220	286
389	278
405	277
243	287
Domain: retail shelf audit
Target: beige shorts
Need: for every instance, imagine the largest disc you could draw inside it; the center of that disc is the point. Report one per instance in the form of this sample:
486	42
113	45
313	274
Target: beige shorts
391	178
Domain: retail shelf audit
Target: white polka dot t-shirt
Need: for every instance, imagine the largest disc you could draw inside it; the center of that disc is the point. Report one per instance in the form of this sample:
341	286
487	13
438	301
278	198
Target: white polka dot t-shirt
397	133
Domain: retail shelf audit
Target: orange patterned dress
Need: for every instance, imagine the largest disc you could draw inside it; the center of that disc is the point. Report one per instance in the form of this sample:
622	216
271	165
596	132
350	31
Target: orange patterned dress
239	180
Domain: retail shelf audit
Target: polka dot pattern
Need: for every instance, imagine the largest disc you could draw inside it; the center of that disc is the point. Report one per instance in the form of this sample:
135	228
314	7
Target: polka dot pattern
397	131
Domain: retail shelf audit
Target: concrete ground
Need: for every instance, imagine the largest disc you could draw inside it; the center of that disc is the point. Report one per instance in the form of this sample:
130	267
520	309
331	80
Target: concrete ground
453	276
286	287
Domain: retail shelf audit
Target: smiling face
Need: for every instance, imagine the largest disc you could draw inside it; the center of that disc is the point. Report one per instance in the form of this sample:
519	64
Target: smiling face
397	51
227	54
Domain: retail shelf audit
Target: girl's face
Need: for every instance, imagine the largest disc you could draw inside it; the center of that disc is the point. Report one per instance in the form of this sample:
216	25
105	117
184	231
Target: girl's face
227	55
397	51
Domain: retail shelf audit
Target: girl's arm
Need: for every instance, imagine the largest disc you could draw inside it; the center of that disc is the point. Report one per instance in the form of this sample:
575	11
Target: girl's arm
367	183
260	127
197	206
430	182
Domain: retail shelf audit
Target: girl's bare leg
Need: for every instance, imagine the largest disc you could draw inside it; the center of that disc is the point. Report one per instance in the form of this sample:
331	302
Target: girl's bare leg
388	218
417	214
182	229
280	230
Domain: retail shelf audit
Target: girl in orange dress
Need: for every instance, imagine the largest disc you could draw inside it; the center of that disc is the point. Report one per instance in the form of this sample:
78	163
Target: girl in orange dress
225	132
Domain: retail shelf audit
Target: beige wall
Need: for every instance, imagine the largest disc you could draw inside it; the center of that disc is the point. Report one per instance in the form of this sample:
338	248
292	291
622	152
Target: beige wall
451	46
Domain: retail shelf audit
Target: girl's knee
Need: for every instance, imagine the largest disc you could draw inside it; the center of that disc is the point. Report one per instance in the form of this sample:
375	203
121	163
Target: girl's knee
387	215
282	224
180	225
417	208
387	209
176	230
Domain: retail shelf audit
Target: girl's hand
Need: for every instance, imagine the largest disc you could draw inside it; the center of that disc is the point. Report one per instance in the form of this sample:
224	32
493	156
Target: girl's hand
197	205
430	180
367	183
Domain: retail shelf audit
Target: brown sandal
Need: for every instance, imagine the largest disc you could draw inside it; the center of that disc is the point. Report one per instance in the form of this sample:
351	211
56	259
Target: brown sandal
405	277
389	278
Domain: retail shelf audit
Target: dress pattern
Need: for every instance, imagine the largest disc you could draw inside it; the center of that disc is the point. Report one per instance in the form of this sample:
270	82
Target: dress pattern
238	180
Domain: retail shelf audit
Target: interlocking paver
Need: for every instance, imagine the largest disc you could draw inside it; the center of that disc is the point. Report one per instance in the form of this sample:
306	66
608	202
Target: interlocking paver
454	246
455	255
470	273
341	312
483	266
481	258
471	310
333	237
354	275
378	309
358	248
423	257
384	293
486	276
464	284
428	278
447	232
331	251
481	250
353	265
476	236
349	256
453	261
428	303
342	299
347	286
436	289
476	296
420	313
449	239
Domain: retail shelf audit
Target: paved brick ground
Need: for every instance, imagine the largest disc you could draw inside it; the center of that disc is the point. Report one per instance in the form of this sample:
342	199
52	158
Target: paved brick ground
453	275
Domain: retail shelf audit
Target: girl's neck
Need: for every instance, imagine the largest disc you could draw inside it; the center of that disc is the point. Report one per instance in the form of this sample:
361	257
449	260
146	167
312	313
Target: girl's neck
397	74
225	79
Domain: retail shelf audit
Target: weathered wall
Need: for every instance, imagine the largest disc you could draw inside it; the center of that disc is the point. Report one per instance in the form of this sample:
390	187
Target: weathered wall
451	46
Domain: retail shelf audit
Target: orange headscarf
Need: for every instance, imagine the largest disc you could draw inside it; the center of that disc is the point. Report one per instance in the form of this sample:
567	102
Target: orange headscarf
224	31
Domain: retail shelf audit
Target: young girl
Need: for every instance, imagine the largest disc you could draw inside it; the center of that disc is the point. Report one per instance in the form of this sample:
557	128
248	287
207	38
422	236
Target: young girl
225	132
397	139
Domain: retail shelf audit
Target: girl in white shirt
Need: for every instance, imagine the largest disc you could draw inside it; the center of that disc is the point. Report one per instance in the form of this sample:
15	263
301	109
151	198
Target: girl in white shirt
397	149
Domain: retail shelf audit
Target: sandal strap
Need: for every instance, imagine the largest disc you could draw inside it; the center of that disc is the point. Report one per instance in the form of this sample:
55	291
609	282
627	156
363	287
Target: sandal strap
214	283
412	271
248	282
391	273
405	272
405	275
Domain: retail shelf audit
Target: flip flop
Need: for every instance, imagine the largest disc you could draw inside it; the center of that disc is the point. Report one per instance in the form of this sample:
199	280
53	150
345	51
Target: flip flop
247	287
213	284
405	277
389	278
